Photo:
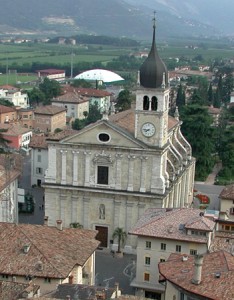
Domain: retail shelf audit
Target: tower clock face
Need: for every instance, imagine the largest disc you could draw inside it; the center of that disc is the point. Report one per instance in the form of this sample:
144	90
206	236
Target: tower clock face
148	129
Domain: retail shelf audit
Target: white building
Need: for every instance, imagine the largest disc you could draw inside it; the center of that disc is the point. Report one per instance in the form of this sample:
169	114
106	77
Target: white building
14	95
9	174
161	232
39	159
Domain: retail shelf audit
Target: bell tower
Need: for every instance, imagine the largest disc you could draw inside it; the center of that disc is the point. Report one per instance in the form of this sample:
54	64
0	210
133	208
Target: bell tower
152	99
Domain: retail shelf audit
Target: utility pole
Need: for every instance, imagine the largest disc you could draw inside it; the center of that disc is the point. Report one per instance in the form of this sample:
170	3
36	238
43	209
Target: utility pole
72	55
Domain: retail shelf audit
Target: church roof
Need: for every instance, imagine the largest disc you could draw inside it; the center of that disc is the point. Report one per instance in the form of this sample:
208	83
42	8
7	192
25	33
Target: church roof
153	72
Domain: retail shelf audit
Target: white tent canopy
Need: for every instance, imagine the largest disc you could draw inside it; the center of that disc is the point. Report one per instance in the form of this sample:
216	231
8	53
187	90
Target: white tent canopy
100	75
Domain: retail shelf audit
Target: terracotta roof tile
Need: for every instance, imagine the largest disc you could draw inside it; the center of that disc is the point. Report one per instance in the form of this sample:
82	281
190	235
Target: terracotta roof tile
89	92
125	119
49	110
38	141
227	192
180	273
57	250
14	129
10	169
6	109
171	224
71	97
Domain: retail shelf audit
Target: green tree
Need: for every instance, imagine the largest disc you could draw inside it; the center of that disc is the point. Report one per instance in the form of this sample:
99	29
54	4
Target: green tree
81	83
36	96
121	235
210	96
124	100
78	124
228	85
6	102
50	88
94	114
76	225
180	98
197	129
3	142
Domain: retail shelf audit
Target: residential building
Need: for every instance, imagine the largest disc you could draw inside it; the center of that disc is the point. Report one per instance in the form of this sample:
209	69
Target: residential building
39	159
100	97
49	117
52	74
14	290
107	174
209	276
18	137
76	105
47	255
161	232
8	114
10	171
26	117
14	95
226	216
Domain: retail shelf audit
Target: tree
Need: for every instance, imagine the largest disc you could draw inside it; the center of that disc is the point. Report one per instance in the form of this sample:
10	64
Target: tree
81	83
76	225
124	100
36	96
6	102
210	96
3	142
197	129
94	114
180	98
50	88
121	235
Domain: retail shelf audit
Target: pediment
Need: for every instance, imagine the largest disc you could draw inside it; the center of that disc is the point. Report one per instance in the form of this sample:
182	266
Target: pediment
117	136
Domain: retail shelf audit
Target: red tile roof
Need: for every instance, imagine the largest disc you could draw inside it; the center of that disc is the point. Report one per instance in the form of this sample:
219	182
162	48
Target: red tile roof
49	110
51	71
171	224
180	273
57	251
71	97
227	192
14	129
6	109
38	141
89	92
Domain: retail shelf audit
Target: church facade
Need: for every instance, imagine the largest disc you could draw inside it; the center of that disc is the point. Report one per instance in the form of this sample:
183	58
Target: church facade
107	174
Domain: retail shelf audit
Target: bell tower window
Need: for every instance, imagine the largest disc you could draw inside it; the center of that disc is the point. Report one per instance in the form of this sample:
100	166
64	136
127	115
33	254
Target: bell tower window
154	103
146	103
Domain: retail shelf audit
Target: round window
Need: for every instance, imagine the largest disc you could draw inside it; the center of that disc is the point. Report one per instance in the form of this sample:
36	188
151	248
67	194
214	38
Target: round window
104	137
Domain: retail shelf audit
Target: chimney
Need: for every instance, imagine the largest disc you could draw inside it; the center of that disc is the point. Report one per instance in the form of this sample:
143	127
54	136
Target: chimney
197	269
68	297
26	248
46	220
59	224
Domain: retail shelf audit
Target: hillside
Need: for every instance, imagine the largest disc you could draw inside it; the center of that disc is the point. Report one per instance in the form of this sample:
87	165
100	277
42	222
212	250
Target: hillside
105	17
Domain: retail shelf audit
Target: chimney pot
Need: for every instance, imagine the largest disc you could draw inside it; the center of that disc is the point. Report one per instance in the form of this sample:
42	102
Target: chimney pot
59	224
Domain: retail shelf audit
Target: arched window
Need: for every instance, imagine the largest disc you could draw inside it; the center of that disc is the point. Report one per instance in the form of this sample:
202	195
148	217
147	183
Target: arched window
154	103
146	103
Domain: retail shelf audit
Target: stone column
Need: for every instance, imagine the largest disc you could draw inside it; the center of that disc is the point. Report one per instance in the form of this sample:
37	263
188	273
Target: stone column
74	209
118	171
75	167
87	168
143	173
117	205
86	213
130	172
64	167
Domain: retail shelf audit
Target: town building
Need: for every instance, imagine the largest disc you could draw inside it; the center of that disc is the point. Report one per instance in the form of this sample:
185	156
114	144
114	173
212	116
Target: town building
209	276
10	170
107	174
14	95
49	117
39	159
161	232
18	137
52	74
8	114
16	291
47	255
26	117
226	216
76	104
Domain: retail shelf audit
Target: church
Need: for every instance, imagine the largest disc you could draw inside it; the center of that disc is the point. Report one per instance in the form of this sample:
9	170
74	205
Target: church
106	175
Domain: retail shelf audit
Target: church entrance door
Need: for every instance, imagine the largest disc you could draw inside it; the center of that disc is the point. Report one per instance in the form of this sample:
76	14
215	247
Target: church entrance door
102	235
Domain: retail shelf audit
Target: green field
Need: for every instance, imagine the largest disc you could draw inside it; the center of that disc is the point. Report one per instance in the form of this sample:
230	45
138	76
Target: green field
13	79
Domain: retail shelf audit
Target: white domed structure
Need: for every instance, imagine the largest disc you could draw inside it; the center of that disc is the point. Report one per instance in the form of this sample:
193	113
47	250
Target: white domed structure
100	75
